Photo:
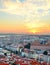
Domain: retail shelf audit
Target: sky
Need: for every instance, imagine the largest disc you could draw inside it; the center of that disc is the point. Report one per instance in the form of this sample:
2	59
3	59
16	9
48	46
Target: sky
25	16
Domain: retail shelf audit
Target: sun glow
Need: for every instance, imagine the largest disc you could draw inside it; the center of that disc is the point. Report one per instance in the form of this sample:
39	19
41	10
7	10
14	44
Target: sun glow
33	31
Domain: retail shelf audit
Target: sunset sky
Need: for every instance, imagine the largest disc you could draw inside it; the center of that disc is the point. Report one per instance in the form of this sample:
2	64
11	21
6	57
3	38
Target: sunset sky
25	16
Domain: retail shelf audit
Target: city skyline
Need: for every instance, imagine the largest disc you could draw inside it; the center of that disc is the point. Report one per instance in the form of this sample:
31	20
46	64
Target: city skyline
25	16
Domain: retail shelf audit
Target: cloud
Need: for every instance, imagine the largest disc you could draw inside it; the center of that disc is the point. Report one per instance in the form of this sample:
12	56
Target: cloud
27	8
22	1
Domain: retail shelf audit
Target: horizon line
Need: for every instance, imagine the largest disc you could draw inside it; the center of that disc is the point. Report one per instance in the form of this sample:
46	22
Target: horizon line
23	34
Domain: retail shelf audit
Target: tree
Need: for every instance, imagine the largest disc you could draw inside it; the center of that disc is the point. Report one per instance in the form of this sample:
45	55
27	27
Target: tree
45	52
5	54
27	46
